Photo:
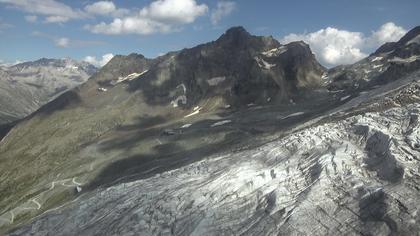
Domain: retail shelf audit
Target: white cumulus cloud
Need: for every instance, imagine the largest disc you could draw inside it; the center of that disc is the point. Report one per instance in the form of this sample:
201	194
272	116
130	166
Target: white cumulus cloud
101	62
333	46
388	32
54	11
174	11
105	8
223	9
101	8
160	16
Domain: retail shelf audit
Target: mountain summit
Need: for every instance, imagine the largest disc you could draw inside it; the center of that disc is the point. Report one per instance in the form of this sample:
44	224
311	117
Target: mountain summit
235	33
236	69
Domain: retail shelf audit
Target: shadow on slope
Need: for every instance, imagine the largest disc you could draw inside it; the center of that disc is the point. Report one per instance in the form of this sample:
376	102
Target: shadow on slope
176	147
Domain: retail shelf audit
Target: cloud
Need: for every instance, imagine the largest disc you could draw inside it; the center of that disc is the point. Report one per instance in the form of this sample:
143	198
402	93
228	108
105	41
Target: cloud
31	18
99	63
56	19
173	11
64	42
332	46
4	25
7	64
105	8
101	8
223	9
388	32
160	16
130	25
54	11
335	47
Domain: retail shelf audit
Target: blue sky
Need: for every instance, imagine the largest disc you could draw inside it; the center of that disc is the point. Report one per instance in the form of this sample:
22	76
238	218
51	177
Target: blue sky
339	31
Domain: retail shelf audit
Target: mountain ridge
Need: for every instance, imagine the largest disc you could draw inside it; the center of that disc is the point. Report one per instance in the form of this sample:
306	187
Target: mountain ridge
29	85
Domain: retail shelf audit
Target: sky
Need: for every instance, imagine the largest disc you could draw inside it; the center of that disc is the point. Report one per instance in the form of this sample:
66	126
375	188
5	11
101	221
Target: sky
338	31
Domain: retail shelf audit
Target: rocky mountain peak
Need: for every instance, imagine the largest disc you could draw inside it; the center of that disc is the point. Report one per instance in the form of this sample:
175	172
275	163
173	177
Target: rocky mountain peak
121	65
49	64
237	69
299	48
235	33
238	38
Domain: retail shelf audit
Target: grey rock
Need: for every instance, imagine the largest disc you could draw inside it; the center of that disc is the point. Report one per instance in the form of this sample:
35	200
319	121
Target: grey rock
27	86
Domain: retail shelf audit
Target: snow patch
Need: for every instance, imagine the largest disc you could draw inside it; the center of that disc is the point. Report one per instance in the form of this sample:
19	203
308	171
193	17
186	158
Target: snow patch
196	111
128	77
181	98
183	88
275	51
344	98
263	64
221	123
293	115
186	126
376	59
216	80
404	60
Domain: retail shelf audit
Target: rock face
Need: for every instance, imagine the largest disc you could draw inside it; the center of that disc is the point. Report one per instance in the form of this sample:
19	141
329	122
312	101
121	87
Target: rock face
236	136
27	86
236	69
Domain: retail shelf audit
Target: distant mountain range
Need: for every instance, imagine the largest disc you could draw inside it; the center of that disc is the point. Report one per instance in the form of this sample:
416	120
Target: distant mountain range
241	135
27	86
